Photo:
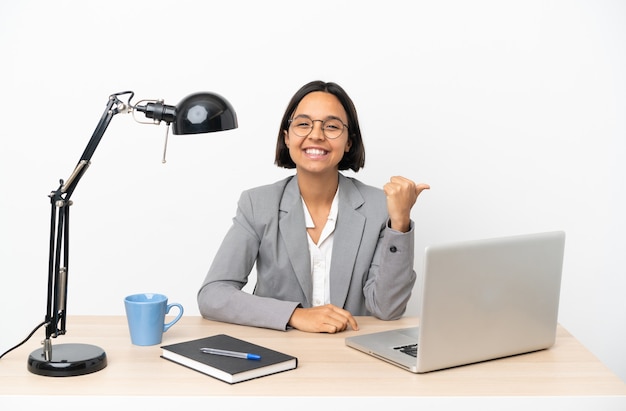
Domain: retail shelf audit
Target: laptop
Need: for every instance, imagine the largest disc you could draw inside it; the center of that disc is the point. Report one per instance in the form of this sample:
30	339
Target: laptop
482	300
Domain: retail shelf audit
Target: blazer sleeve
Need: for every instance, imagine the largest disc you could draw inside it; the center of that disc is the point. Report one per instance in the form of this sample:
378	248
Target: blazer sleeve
221	297
392	277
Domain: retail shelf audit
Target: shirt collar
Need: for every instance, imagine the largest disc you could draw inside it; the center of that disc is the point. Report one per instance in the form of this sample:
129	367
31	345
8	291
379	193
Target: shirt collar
332	215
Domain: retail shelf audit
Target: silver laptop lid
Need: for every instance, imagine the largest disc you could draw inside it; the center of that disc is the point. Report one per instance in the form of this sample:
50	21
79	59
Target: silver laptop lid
491	298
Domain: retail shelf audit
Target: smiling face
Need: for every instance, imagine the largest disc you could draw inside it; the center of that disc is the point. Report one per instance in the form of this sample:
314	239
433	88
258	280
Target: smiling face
316	153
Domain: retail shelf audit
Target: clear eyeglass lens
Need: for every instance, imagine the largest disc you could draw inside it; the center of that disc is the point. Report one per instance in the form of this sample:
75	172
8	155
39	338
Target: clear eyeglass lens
302	127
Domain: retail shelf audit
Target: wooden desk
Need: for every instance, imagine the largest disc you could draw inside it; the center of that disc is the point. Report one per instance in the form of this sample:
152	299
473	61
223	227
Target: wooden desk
327	368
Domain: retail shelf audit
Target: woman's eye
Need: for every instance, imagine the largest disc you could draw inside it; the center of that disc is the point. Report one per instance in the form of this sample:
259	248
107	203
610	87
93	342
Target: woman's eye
332	125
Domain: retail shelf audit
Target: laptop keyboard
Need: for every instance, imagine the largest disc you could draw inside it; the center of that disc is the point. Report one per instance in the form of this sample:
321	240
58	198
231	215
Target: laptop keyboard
410	349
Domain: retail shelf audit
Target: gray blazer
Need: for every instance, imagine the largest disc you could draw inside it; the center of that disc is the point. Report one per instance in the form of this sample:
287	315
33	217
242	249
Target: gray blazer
371	269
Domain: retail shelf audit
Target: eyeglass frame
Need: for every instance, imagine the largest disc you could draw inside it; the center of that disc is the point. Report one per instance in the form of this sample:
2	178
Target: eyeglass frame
345	126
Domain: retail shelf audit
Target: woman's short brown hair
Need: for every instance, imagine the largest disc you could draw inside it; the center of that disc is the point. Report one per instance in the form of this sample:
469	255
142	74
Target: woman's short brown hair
353	159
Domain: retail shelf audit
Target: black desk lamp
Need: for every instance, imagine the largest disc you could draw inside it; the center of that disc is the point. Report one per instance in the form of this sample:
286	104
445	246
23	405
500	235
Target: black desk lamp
197	113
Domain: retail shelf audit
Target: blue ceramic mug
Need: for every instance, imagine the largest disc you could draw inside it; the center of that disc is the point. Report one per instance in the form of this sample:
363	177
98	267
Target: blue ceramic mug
146	317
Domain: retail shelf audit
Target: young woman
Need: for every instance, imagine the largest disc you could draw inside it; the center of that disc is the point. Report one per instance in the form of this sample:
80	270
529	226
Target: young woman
326	247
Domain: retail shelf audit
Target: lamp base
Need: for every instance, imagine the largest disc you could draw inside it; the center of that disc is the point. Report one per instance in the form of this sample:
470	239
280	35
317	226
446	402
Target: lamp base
68	360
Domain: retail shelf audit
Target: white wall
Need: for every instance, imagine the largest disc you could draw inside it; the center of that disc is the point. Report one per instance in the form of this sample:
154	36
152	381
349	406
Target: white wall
512	111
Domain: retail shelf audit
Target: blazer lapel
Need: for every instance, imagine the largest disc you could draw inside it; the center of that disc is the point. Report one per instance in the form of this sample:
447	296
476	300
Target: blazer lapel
291	228
348	231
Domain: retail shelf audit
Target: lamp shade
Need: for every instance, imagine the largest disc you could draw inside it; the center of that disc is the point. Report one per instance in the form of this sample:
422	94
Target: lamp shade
204	113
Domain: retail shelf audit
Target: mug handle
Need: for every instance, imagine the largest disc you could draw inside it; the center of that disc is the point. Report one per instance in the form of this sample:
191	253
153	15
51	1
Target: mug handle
167	326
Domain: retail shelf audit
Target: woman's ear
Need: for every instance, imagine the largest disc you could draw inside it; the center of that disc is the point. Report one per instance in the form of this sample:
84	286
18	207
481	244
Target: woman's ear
286	133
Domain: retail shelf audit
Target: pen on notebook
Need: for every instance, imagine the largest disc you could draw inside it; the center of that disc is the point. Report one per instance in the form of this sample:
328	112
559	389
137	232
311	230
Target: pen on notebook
227	353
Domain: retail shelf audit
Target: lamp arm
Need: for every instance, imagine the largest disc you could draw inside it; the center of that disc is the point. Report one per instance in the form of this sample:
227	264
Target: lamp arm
59	227
114	106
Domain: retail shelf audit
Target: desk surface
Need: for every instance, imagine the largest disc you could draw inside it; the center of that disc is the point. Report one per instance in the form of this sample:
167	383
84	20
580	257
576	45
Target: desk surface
326	367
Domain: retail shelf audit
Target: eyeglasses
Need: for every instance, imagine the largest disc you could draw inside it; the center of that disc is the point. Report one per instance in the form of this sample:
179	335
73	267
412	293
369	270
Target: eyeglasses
303	125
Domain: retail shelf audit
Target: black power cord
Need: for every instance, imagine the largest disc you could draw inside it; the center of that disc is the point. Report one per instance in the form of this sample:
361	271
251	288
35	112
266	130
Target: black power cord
25	339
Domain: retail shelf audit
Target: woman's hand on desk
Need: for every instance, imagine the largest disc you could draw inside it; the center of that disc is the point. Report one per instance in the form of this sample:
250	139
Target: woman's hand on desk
323	319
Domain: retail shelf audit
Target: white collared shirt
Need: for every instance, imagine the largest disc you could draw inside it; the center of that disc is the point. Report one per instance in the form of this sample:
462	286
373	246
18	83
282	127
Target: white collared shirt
321	253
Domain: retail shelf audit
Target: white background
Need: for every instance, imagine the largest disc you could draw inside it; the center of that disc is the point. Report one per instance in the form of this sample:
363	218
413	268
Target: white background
514	113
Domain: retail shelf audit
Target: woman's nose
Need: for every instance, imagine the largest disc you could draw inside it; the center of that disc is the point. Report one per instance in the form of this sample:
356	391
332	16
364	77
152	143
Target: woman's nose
317	132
